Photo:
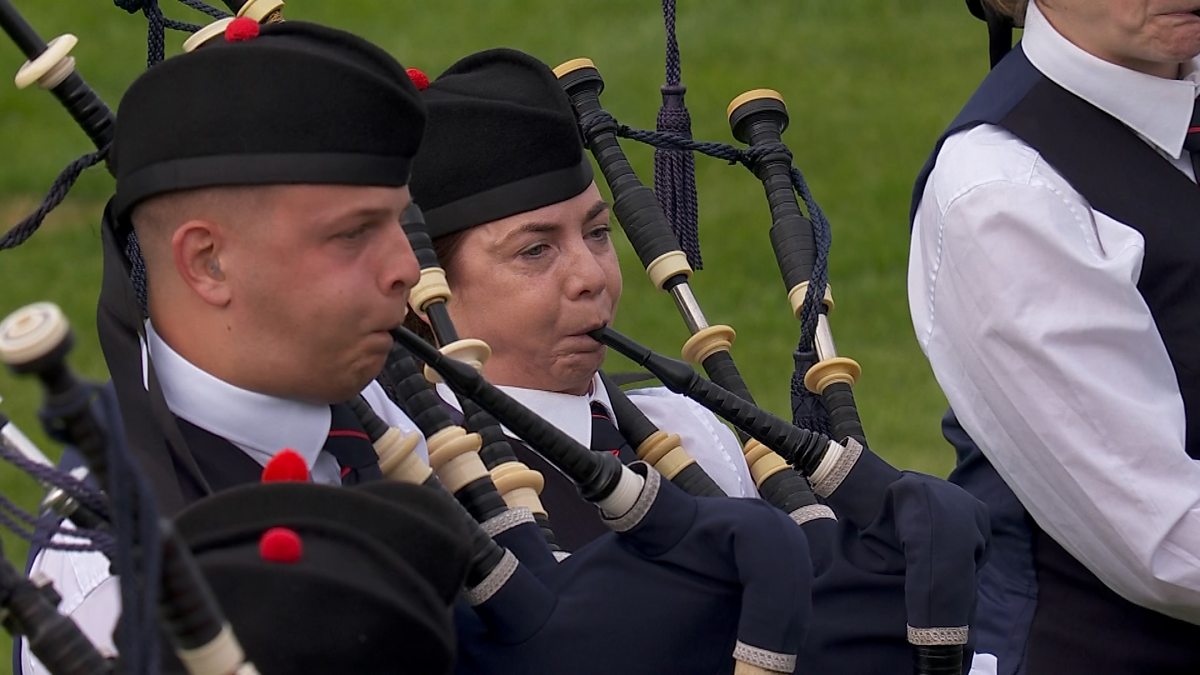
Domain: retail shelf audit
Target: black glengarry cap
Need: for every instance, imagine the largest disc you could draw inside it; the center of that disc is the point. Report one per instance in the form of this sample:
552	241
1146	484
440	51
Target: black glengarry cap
325	579
298	103
501	139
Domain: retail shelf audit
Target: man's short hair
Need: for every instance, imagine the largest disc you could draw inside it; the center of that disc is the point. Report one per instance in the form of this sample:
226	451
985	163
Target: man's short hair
156	218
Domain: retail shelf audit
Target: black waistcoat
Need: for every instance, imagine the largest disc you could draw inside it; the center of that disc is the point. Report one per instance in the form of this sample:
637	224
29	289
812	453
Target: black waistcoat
222	463
1078	625
574	520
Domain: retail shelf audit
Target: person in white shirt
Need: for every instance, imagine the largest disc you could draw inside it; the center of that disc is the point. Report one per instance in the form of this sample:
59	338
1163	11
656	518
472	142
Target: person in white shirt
524	237
1052	278
268	266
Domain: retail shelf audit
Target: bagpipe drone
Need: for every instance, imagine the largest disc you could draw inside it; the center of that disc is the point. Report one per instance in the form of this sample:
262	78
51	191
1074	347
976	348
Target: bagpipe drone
908	546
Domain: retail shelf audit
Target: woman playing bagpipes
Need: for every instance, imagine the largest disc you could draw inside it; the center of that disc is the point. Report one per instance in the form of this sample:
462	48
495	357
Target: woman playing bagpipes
523	235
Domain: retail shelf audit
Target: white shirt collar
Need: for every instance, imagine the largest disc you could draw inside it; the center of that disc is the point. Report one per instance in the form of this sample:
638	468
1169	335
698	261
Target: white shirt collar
1158	109
570	413
260	425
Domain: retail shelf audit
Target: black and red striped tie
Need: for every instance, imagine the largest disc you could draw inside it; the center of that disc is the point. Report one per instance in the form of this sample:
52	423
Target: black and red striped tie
1191	142
351	447
607	438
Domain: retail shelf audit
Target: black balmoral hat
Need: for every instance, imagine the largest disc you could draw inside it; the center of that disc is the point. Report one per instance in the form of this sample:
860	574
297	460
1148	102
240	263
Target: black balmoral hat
325	579
501	139
294	103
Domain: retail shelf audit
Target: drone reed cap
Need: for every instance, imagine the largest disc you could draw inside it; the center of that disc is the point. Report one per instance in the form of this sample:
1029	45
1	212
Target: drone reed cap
214	30
568	67
753	105
262	11
33	333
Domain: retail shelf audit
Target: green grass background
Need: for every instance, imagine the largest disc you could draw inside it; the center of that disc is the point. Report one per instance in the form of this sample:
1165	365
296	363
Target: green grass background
868	83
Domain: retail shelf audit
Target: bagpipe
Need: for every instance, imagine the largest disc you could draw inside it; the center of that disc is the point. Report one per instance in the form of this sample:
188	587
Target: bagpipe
875	495
668	553
907	544
35	341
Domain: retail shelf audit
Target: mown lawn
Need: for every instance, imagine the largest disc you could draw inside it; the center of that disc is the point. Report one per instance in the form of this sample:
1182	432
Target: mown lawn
869	84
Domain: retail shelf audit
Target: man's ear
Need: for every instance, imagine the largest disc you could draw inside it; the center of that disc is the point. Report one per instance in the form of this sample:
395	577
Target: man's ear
196	247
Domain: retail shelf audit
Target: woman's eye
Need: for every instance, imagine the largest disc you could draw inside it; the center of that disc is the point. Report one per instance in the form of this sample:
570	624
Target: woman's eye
534	251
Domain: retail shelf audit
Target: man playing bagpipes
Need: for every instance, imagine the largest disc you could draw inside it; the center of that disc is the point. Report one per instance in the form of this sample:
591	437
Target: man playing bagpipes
253	262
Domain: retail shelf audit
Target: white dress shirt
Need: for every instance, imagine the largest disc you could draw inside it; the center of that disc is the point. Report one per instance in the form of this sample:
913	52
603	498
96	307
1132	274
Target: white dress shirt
708	441
1025	301
258	425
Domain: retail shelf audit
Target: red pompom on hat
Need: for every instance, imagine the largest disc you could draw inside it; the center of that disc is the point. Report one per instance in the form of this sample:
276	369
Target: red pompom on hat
241	29
286	466
280	545
419	79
